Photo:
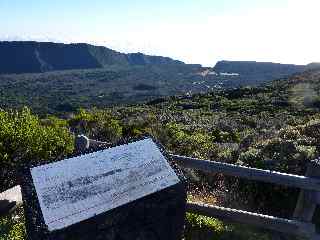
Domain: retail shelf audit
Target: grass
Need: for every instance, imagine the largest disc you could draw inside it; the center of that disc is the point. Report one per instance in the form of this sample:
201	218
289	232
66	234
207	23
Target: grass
197	228
200	227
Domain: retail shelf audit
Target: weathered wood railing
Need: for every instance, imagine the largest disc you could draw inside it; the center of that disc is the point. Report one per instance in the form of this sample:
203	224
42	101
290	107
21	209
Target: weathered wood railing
301	222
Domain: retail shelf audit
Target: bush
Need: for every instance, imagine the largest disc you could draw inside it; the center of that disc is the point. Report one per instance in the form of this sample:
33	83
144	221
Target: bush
24	140
187	142
202	227
13	227
225	136
289	152
96	124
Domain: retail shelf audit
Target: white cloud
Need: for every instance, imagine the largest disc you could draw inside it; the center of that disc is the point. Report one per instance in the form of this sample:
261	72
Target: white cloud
288	35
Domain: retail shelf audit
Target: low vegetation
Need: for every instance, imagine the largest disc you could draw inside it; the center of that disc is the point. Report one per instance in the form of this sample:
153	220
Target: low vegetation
274	127
113	83
26	140
13	227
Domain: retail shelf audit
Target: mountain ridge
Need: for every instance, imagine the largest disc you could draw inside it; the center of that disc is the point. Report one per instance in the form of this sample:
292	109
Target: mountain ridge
245	67
37	57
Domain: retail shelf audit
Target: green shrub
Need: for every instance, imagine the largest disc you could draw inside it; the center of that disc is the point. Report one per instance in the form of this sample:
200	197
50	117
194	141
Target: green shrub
141	125
202	227
251	157
13	227
96	124
196	143
225	136
289	152
25	140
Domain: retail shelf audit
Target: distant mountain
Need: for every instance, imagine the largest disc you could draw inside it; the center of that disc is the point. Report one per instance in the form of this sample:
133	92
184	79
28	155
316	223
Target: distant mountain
312	66
37	57
56	77
259	71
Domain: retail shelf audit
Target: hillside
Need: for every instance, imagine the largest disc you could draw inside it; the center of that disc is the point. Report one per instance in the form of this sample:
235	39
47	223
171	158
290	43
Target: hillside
54	77
65	91
134	79
252	67
260	71
36	57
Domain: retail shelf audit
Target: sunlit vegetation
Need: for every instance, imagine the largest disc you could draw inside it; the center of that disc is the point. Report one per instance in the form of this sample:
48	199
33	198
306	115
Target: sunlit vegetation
26	140
12	227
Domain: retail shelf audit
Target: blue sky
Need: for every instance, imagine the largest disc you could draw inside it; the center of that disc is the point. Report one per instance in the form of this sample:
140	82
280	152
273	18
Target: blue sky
195	31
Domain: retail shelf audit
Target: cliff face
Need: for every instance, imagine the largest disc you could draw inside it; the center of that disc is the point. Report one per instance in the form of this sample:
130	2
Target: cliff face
251	67
313	66
142	59
35	57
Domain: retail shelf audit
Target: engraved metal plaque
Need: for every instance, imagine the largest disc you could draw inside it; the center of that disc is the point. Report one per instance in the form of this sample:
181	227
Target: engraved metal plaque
81	187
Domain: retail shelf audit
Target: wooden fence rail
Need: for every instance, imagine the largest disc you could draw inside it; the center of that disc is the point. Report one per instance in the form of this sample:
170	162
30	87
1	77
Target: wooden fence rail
289	180
293	227
301	222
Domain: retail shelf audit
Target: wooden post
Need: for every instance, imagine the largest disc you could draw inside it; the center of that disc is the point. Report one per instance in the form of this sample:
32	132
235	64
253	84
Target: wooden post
308	199
82	143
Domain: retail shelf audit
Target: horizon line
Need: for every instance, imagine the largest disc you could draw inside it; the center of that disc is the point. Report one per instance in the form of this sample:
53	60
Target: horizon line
139	52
